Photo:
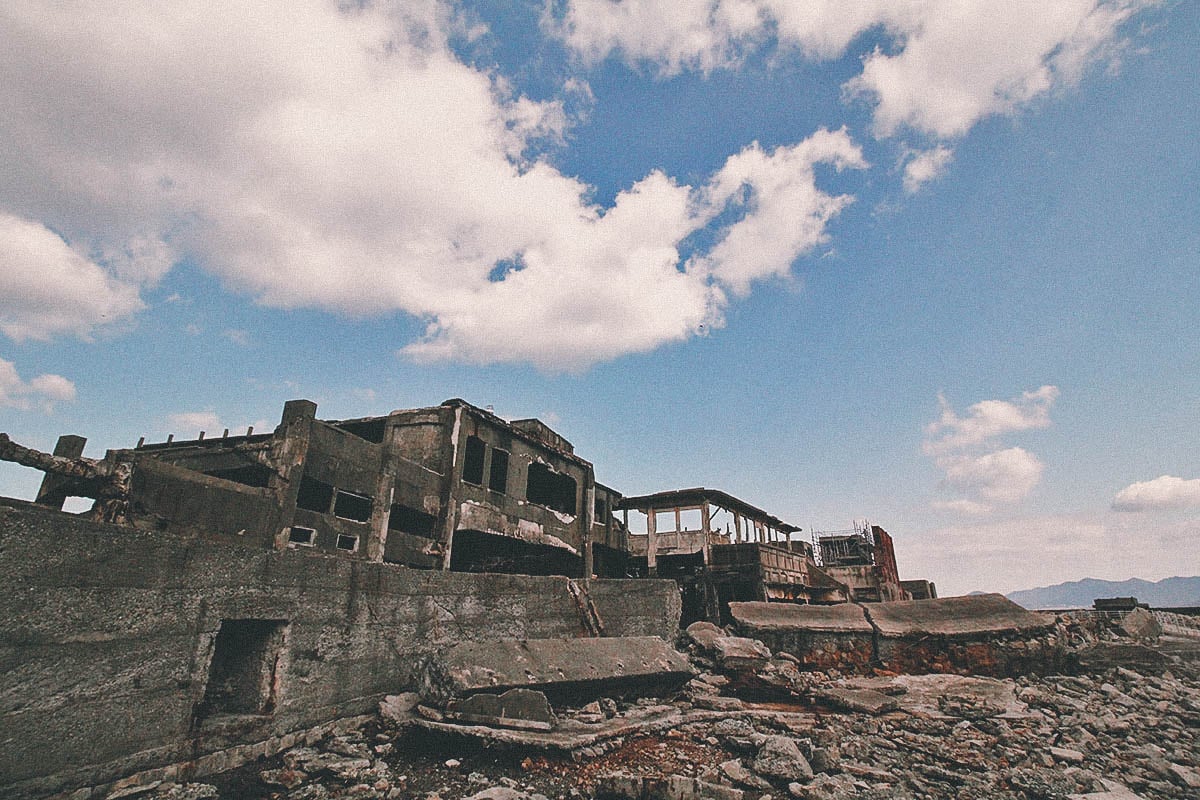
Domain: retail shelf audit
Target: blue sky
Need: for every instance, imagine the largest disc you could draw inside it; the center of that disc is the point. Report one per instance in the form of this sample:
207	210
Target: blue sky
930	263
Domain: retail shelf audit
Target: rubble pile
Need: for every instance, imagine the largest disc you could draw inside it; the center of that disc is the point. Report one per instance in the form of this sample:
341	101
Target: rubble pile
751	724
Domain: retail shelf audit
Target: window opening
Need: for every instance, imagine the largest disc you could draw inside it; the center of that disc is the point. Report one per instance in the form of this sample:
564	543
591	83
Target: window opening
551	489
370	429
249	475
498	479
243	675
314	495
304	537
347	542
409	520
473	461
352	506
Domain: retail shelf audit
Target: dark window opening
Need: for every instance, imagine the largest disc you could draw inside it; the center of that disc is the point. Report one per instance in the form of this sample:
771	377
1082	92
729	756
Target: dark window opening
410	520
243	676
372	429
600	509
551	489
249	475
314	495
300	535
498	479
473	461
352	506
347	542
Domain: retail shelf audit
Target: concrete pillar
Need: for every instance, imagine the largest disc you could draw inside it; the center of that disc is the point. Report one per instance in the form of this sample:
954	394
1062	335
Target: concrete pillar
289	450
385	488
652	543
53	491
706	527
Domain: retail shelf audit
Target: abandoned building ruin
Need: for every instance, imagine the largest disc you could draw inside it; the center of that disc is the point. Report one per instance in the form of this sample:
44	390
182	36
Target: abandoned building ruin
228	595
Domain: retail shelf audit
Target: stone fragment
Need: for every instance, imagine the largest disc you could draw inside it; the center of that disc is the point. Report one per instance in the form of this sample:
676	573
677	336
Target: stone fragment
525	709
395	708
1184	776
779	757
1066	754
1112	791
866	701
704	634
736	653
1140	624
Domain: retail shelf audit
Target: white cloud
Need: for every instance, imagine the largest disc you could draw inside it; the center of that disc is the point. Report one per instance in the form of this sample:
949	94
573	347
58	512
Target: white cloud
1004	476
48	289
952	62
988	420
188	423
341	157
965	449
1164	492
42	391
926	166
787	215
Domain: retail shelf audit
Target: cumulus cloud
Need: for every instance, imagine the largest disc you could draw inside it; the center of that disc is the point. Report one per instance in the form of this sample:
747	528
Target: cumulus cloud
342	157
43	391
950	63
48	289
1162	493
965	448
988	420
925	166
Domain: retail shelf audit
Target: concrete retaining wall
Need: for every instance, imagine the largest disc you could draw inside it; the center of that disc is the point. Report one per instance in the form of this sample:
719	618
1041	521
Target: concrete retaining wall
107	636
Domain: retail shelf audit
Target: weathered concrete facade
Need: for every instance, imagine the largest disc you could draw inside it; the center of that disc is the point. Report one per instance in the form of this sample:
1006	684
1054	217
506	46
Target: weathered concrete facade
123	650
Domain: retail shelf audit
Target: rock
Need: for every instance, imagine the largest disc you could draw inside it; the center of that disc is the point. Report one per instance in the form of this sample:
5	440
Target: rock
396	708
704	634
866	701
1140	624
1042	784
737	653
526	709
1066	754
1112	791
1184	776
186	791
499	793
734	771
717	703
287	778
452	763
781	759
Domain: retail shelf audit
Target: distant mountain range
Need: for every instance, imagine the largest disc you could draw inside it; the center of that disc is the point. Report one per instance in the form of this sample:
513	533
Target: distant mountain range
1080	594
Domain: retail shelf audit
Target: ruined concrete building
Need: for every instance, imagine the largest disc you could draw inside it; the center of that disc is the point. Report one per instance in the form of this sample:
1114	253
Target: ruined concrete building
230	596
454	487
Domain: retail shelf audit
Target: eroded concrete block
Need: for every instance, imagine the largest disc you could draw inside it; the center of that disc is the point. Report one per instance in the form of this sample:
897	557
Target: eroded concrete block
564	669
969	616
525	709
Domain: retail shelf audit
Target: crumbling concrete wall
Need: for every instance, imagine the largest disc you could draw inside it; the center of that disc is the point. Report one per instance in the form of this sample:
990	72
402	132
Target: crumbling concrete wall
109	633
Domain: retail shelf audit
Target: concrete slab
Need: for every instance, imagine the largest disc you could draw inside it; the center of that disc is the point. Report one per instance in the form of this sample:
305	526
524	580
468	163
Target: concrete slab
967	616
841	618
564	669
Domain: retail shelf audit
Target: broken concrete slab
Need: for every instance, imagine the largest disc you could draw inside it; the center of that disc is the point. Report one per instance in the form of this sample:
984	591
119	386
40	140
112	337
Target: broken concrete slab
1113	791
818	637
1140	624
739	653
566	670
967	616
926	695
867	701
517	708
1100	656
841	618
673	787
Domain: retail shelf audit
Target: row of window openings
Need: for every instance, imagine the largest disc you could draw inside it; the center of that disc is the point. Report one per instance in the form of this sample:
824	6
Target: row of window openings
544	486
301	536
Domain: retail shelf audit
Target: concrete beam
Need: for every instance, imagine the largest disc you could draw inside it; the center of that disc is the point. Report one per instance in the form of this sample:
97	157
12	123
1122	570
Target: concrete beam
564	669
